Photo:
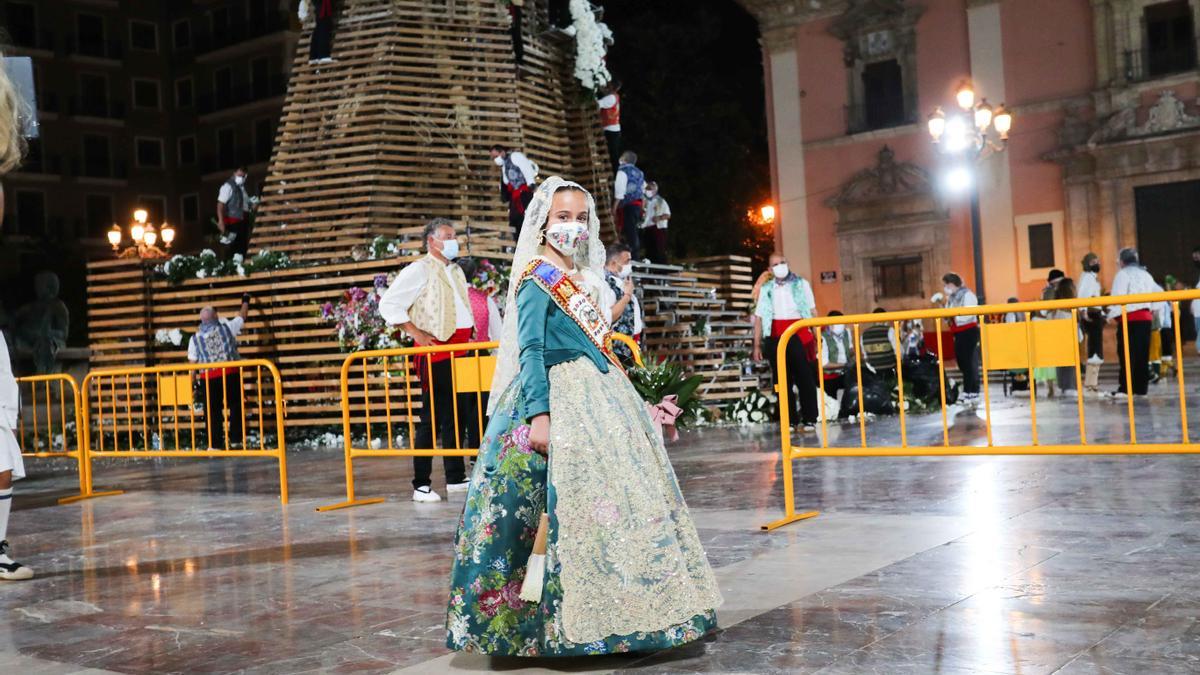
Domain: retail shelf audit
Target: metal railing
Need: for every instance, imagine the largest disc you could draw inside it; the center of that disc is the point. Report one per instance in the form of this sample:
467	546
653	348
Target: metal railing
50	426
376	383
225	409
1024	345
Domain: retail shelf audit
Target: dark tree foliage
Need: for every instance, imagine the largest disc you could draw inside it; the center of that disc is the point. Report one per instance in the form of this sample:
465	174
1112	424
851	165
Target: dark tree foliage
693	109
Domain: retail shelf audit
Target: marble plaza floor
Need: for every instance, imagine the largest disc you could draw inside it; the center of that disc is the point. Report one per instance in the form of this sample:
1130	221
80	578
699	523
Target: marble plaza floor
916	565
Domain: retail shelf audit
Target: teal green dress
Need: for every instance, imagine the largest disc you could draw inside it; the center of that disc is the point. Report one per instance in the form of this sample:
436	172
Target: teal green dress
563	372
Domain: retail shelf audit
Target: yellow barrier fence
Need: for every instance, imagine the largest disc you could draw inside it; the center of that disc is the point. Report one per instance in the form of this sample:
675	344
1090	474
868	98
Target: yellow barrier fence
227	409
385	390
50	426
1025	345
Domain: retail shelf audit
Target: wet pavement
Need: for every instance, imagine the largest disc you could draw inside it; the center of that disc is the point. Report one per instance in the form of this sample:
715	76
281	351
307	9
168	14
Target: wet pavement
1080	564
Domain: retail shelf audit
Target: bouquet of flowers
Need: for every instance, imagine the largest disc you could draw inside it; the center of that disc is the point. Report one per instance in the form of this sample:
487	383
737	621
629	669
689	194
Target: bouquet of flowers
755	408
173	337
358	323
490	278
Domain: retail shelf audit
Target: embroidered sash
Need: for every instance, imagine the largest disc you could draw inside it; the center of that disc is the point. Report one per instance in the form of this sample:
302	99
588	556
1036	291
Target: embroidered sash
576	303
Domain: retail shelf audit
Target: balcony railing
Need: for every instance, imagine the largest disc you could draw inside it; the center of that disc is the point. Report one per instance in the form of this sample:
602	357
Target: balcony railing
206	40
880	114
1146	65
90	107
210	102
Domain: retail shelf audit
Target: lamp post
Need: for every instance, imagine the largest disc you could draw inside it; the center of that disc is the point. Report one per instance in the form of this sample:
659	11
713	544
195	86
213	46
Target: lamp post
969	134
143	238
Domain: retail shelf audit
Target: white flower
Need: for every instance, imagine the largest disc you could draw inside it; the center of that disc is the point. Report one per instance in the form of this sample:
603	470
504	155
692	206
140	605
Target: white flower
376	443
200	274
175	336
237	258
160	336
241	271
208	253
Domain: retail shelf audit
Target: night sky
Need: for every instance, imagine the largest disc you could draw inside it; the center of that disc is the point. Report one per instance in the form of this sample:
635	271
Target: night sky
693	109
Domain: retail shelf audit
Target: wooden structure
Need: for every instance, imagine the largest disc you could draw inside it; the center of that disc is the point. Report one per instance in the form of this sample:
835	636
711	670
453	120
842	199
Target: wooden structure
392	133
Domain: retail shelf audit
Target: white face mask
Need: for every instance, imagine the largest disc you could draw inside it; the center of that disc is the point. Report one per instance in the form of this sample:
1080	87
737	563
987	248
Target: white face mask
837	329
780	271
450	248
650	194
240	180
626	271
499	160
565	237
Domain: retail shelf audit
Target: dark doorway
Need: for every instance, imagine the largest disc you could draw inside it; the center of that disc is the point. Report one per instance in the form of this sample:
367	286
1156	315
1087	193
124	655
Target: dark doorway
1168	227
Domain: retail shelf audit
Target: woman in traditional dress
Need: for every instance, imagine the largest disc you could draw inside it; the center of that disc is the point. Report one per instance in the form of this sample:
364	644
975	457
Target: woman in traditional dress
570	438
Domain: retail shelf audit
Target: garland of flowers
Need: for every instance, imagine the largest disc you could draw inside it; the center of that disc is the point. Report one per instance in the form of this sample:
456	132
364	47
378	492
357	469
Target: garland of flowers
207	265
591	46
755	408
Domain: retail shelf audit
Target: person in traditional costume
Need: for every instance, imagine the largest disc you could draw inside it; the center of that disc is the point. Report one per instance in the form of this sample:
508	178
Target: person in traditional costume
11	466
215	341
429	301
575	538
517	176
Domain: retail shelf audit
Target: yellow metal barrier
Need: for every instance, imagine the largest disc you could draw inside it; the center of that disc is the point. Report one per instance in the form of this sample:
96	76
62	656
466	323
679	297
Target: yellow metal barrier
153	412
53	428
1023	345
400	376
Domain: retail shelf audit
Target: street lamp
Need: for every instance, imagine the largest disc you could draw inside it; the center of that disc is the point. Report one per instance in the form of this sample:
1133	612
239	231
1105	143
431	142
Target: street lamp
768	213
967	135
143	238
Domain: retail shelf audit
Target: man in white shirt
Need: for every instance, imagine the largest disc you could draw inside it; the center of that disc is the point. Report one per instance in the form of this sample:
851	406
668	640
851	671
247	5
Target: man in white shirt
784	300
654	224
234	206
215	341
629	191
517	176
428	300
610	120
1133	279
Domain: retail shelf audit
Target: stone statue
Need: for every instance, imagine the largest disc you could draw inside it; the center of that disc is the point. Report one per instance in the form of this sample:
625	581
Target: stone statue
40	327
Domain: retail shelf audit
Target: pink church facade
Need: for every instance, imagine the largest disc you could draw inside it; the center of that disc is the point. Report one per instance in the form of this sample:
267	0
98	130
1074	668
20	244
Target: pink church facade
1104	151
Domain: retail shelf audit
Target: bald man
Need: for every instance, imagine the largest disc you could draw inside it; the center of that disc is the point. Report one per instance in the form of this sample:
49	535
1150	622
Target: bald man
215	341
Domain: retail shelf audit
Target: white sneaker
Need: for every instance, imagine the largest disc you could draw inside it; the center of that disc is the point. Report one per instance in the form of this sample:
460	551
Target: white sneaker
1095	359
11	570
1115	395
426	495
458	487
1070	393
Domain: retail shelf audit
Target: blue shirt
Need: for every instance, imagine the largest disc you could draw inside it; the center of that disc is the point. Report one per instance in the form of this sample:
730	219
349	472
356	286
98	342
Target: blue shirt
547	337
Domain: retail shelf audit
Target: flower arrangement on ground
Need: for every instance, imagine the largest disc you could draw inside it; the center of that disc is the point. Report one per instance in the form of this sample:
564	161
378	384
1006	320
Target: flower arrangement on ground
661	378
754	408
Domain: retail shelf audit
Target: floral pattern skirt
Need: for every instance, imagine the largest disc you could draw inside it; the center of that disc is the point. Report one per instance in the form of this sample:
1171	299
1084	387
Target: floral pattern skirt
509	492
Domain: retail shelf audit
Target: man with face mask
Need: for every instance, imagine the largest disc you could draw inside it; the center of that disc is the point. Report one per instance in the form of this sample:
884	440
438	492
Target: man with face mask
837	352
784	300
654	225
629	191
233	207
429	301
1092	320
626	311
965	330
517	174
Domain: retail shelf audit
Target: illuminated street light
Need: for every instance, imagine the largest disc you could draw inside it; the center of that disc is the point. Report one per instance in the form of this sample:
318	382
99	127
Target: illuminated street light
143	238
768	213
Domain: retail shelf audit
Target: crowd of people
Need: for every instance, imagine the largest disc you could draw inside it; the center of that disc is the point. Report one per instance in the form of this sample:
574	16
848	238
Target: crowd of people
781	298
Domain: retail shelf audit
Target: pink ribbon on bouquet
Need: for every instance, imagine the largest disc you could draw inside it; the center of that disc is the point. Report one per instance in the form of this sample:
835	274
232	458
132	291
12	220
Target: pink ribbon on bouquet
664	414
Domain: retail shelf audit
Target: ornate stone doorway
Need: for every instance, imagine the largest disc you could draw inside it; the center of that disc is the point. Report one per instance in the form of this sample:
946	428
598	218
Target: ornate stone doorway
893	237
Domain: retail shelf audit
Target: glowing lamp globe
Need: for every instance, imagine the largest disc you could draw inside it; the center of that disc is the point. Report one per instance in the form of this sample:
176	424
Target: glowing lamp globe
768	213
114	236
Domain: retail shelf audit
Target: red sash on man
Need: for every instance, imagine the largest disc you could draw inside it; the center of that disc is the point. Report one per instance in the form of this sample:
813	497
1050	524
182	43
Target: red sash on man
619	217
1140	315
807	339
460	336
955	328
516	197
